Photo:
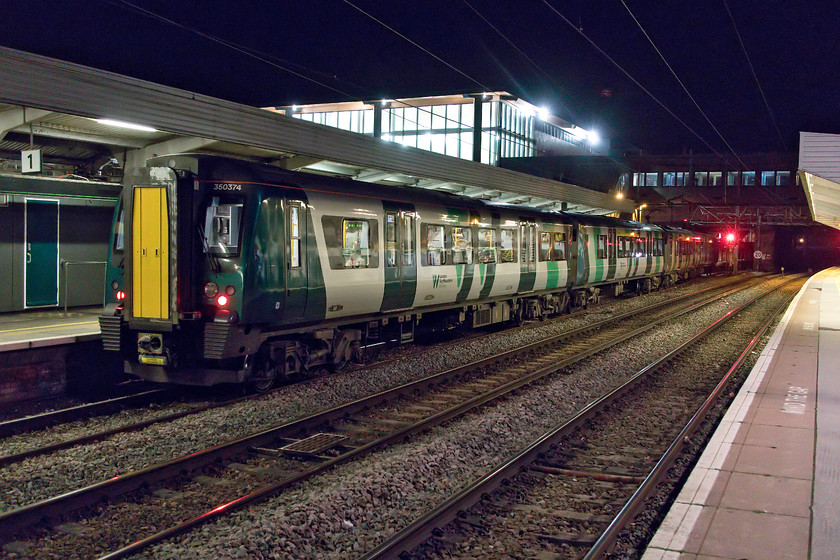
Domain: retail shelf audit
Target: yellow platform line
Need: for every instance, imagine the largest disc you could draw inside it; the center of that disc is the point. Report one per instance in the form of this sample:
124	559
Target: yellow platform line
49	326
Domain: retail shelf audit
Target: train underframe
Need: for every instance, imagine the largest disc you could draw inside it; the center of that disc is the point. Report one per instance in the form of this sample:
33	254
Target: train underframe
209	353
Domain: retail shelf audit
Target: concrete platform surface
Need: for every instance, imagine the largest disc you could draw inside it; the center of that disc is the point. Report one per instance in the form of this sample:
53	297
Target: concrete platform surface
39	328
768	484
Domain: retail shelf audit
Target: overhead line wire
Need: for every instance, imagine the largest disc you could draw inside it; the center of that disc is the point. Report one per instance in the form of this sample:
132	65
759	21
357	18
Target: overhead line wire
263	57
634	80
755	76
679	81
425	50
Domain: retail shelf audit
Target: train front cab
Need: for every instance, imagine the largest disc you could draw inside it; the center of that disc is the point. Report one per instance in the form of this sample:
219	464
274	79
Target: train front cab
153	315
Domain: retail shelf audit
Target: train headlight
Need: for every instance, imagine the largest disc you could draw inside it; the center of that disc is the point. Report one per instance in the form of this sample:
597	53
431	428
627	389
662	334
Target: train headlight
222	300
210	290
230	290
115	285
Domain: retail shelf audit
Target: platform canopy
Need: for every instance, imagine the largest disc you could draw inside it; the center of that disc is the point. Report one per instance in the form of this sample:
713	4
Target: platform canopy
60	105
819	170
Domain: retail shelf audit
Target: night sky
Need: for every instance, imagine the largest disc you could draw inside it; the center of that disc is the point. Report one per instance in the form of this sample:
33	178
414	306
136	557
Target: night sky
328	50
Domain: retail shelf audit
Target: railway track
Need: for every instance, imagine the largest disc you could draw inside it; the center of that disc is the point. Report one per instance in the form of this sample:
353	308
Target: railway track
145	398
571	493
293	452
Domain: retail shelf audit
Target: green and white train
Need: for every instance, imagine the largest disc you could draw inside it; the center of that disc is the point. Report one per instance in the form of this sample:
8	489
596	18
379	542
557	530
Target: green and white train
225	271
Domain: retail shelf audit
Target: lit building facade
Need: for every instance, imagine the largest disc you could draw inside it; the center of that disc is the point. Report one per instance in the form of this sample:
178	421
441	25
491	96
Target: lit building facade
482	127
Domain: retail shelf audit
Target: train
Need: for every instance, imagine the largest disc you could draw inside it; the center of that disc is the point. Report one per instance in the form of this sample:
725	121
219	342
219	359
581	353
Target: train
228	271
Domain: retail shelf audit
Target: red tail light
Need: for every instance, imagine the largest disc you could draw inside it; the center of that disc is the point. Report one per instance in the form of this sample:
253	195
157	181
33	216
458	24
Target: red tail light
120	295
222	300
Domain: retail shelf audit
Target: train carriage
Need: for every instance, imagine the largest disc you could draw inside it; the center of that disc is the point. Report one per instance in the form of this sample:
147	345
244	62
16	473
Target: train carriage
228	271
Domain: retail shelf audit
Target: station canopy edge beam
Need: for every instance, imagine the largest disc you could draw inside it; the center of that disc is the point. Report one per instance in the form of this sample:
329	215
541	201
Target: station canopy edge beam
44	83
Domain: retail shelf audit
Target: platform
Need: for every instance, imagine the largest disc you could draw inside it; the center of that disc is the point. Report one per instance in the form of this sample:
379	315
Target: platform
768	484
48	327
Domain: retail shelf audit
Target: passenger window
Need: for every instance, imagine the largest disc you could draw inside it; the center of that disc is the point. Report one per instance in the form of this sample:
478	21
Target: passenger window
435	246
559	248
294	234
545	246
602	247
486	245
508	246
390	240
408	241
351	242
356	244
462	245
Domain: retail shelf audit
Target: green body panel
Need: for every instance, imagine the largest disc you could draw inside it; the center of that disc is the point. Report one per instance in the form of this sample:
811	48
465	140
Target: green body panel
275	292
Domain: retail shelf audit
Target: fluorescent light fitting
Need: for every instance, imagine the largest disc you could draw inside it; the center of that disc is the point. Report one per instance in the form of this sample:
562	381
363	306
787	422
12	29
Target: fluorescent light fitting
123	124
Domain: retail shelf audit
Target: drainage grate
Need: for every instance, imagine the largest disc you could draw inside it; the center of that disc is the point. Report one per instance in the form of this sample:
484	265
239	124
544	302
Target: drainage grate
313	445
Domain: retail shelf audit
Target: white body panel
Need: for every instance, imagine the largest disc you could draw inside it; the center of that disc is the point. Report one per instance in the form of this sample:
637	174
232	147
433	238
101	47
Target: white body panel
352	291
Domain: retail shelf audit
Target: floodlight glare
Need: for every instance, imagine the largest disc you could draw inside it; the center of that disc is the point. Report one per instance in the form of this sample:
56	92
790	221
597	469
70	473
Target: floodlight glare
122	124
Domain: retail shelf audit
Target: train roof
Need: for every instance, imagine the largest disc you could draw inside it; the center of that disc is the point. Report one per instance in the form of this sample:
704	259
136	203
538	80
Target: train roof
210	167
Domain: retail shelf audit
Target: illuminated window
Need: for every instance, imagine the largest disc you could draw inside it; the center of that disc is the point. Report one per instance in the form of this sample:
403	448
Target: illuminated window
294	234
731	178
462	252
435	245
559	248
768	178
715	178
669	179
748	178
602	246
651	179
701	178
486	245
782	178
351	242
508	241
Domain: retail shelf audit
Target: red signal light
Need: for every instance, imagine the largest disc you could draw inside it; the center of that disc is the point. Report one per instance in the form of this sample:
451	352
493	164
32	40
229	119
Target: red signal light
222	300
730	237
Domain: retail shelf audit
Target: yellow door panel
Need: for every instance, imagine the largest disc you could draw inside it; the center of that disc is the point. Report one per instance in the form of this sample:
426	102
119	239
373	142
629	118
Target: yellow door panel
150	240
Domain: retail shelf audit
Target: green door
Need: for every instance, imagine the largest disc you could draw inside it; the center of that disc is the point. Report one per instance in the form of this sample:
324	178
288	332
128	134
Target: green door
41	272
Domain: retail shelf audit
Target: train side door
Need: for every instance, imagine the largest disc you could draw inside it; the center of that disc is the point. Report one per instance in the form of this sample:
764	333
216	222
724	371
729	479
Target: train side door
400	260
297	287
528	260
41	243
612	239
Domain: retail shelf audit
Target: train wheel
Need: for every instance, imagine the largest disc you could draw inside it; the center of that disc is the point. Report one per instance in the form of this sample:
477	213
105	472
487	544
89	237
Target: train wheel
264	375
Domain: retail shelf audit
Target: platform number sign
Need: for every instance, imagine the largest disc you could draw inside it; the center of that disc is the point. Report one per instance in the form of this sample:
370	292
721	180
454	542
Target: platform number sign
30	161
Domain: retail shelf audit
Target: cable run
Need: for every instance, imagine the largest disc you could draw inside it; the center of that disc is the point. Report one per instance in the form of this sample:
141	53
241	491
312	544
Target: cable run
634	80
685	89
755	77
430	53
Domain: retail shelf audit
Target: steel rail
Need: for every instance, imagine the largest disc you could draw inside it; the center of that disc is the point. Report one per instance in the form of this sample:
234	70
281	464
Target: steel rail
427	525
633	505
396	436
52	507
46	419
66	415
